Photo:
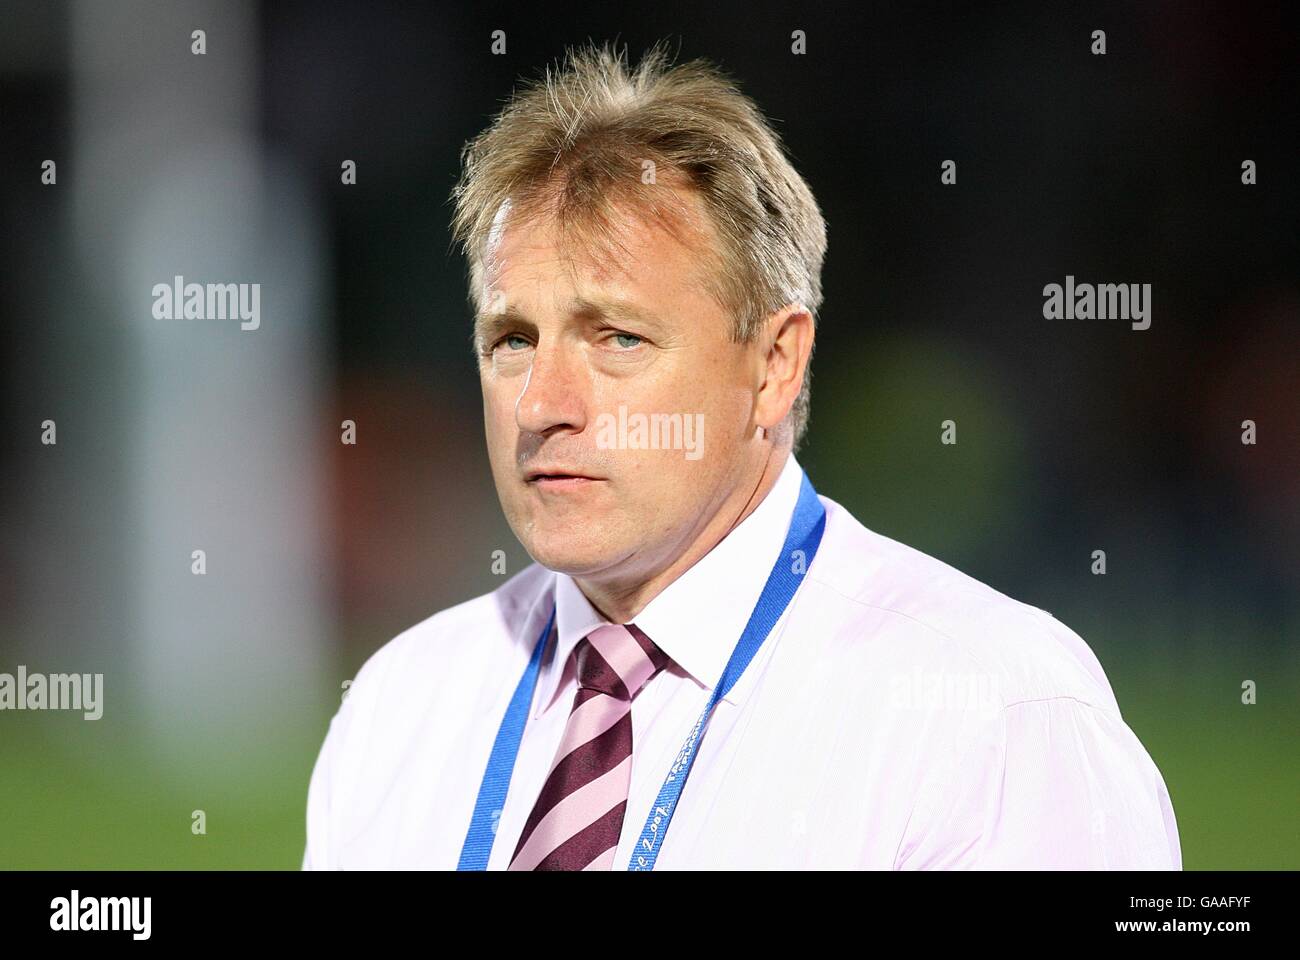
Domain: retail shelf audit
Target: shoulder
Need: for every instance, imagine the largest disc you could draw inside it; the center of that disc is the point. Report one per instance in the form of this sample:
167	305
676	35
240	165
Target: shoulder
432	671
1030	766
414	689
462	632
947	621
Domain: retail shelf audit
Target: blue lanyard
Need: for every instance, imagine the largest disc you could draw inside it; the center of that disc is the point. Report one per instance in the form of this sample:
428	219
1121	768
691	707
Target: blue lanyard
801	543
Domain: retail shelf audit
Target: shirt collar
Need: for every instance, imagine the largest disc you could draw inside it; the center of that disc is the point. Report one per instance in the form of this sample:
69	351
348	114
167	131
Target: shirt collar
697	618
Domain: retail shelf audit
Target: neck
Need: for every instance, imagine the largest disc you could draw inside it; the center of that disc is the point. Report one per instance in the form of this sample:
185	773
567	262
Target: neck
621	602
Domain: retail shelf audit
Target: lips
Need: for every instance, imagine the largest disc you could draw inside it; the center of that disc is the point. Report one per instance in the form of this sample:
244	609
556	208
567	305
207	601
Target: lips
556	473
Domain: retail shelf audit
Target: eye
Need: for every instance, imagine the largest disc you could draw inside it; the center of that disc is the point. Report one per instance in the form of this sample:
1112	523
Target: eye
511	339
621	337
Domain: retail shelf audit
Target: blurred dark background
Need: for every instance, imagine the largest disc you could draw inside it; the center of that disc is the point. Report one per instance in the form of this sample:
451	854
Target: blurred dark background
1073	435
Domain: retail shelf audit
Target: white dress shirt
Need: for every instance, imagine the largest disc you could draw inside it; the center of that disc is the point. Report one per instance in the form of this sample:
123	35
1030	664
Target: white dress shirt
900	715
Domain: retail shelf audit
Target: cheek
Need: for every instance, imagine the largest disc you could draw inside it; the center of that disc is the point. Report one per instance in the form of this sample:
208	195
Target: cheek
719	387
498	406
698	381
499	427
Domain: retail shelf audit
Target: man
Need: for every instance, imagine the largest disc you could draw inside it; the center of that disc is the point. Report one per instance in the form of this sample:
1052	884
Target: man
709	665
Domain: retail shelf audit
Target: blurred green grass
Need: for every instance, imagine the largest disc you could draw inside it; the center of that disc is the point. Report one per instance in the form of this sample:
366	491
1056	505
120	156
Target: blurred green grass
1231	770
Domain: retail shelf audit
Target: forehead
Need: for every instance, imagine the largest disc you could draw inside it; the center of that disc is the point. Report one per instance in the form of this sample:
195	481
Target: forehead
666	251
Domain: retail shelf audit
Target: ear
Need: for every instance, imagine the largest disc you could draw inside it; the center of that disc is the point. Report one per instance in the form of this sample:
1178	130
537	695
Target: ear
787	340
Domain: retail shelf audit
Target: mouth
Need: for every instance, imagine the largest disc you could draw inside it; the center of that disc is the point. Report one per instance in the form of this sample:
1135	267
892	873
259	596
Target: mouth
558	479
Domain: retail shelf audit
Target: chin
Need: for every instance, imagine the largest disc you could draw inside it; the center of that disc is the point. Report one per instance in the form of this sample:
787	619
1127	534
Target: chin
573	562
564	553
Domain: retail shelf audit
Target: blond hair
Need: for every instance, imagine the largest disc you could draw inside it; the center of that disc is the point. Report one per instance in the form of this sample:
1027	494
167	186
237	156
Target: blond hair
575	146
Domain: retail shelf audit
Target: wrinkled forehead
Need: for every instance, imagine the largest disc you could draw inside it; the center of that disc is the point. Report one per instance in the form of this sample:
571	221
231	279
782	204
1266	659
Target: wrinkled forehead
611	241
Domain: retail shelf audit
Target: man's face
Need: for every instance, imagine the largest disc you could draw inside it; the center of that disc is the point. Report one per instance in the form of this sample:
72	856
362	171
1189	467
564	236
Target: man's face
573	359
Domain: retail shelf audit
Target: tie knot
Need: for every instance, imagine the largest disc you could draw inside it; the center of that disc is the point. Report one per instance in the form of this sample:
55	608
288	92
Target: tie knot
618	660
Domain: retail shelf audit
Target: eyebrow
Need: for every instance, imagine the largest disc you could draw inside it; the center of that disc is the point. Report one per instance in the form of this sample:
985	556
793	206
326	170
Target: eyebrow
489	325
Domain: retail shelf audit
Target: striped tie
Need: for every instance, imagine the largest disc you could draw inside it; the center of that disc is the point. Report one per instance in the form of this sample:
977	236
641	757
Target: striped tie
578	816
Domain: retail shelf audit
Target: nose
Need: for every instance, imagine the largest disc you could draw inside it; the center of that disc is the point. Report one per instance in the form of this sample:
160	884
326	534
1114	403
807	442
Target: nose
554	395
